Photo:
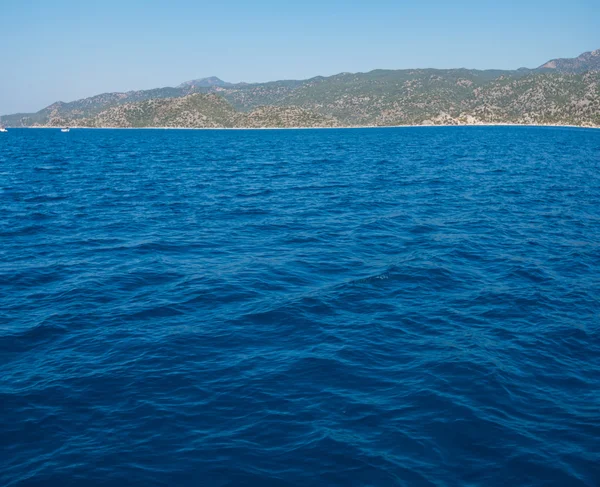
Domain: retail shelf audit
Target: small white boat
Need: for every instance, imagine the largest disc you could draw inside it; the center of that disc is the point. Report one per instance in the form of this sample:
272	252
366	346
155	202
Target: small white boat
2	129
66	129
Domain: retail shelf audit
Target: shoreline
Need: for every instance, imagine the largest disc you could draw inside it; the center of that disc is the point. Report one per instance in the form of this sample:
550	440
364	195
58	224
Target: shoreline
596	127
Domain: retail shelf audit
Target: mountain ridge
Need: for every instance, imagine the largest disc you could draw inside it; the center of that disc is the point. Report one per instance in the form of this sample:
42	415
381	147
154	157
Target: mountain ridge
561	91
209	82
588	61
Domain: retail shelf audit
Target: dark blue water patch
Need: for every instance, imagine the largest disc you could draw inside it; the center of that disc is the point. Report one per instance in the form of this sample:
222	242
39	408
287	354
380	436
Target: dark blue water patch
414	306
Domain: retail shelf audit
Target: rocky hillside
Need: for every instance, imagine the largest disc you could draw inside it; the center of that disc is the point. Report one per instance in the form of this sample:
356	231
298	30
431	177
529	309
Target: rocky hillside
196	111
549	95
540	99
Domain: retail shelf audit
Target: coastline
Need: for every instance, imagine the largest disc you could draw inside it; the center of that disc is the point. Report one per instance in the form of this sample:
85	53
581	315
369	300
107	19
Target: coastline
349	127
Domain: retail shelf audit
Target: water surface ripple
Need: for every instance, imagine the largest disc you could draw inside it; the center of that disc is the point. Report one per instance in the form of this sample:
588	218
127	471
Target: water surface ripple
414	306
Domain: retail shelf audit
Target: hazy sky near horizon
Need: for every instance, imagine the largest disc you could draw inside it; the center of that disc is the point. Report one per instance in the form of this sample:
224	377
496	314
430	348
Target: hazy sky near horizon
66	50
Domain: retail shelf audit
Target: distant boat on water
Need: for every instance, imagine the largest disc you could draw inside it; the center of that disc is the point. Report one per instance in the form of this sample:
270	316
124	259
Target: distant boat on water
2	129
66	129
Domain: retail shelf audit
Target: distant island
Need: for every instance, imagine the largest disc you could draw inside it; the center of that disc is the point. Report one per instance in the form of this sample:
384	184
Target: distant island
559	92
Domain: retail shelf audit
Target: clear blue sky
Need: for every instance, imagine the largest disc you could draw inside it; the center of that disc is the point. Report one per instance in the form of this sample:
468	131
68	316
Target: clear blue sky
64	50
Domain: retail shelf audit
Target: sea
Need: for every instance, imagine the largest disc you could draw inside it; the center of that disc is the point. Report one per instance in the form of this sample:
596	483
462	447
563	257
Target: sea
343	307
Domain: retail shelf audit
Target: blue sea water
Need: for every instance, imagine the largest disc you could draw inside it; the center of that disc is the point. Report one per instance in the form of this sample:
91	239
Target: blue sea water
415	306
